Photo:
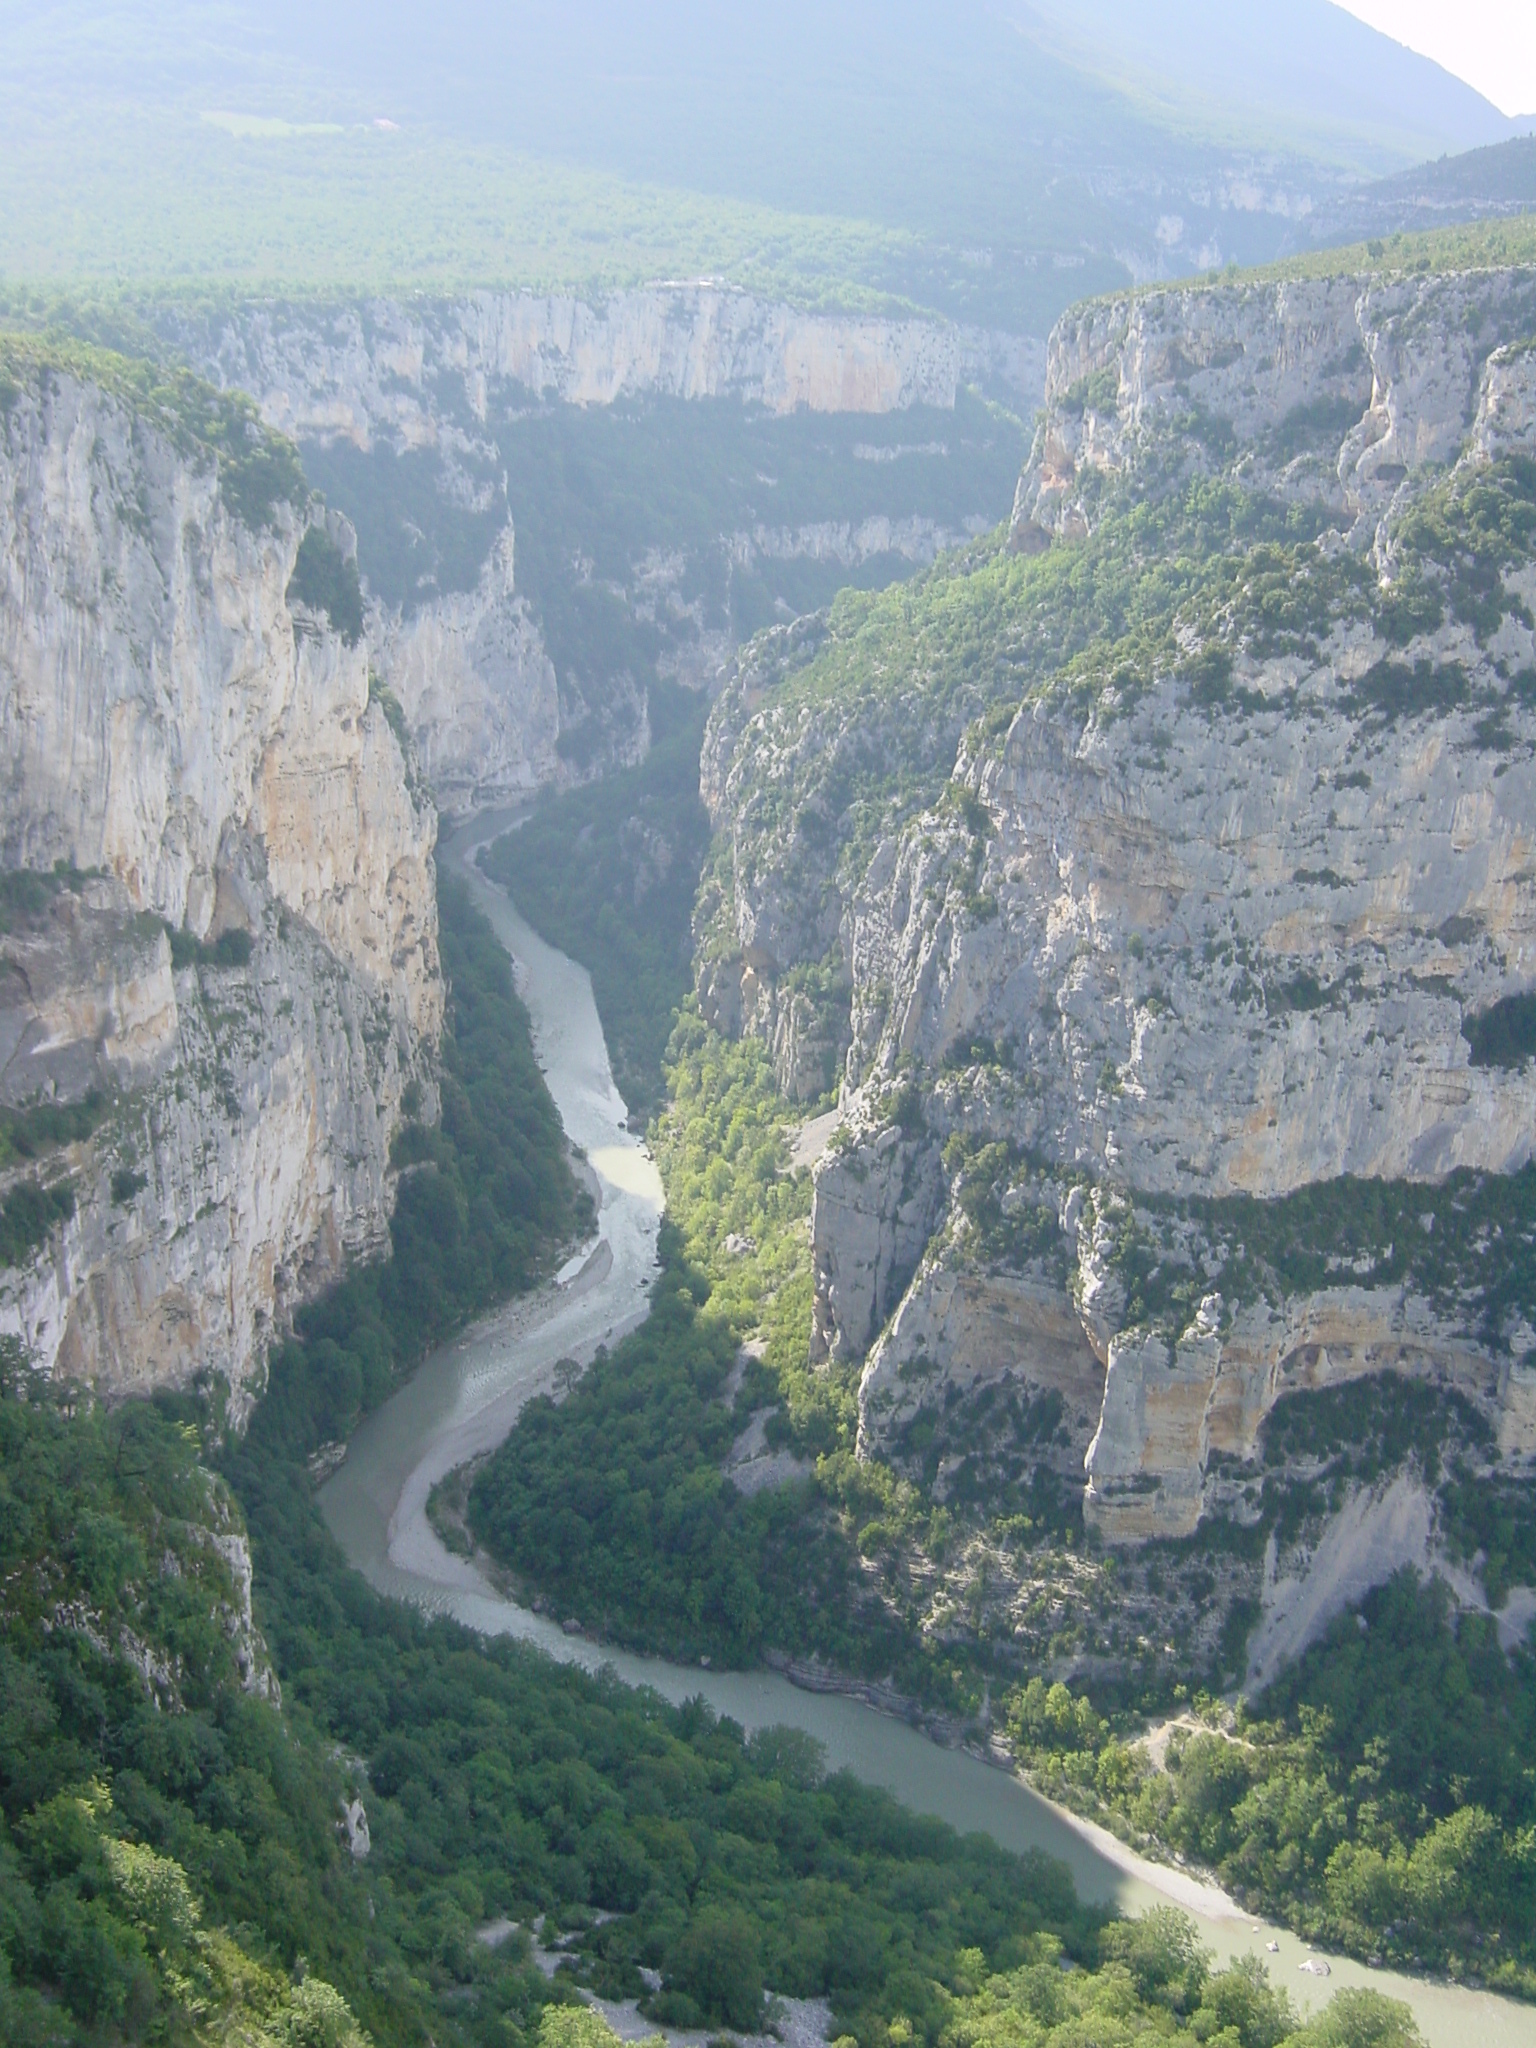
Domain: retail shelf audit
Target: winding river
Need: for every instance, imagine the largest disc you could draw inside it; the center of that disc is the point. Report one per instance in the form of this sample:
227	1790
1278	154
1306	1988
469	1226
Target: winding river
466	1397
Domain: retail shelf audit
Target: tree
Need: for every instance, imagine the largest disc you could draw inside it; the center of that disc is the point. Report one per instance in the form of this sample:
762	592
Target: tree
716	1963
567	1373
1360	2019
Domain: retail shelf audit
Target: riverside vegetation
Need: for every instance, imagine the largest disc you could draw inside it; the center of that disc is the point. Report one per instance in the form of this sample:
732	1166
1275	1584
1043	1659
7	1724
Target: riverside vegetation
174	1864
1379	1794
1377	1797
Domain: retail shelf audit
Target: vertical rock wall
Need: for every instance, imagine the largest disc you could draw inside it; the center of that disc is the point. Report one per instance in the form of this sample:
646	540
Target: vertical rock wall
200	760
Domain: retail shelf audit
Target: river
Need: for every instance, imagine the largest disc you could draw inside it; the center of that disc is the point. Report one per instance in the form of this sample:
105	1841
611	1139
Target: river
466	1397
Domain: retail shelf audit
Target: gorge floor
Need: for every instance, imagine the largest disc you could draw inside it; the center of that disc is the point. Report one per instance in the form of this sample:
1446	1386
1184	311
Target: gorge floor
466	1397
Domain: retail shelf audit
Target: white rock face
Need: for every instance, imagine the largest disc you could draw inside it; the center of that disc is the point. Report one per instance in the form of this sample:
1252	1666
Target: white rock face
914	539
875	1211
477	688
958	1328
87	997
488	719
1506	410
171	726
1379	1531
369	371
159	693
1343	387
1295	849
739	1001
1237	969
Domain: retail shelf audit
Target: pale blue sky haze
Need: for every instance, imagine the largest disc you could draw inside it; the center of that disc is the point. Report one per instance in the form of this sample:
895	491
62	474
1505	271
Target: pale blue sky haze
1489	43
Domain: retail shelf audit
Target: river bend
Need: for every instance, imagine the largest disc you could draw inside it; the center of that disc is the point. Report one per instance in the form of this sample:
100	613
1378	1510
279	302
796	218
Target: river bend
466	1397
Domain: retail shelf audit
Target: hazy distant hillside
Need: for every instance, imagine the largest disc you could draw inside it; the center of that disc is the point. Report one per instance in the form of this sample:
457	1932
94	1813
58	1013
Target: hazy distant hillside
1482	184
1306	67
991	161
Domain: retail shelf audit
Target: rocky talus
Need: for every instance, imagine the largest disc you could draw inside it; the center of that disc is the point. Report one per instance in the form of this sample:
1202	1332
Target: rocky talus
1184	1008
218	940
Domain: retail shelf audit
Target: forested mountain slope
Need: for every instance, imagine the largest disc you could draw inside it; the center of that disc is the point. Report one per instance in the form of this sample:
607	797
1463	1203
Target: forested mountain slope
990	162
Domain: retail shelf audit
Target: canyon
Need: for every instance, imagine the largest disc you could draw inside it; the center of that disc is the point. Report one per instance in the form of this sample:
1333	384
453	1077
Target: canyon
1127	955
221	989
423	419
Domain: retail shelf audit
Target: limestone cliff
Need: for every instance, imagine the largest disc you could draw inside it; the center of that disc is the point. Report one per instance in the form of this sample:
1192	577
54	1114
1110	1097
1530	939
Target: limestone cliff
219	936
477	688
1338	391
430	418
1188	1001
371	371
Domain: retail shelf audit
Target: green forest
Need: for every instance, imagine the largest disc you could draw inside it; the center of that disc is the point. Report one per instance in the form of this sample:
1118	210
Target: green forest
172	1868
1378	1796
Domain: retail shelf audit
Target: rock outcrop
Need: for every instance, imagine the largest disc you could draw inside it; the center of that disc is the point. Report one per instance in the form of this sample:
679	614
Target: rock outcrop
1285	913
478	689
877	1207
1336	390
220	929
1210	936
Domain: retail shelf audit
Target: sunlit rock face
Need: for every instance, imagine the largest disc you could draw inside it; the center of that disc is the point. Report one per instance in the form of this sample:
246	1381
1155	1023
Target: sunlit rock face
478	689
202	758
369	370
1182	953
1341	389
